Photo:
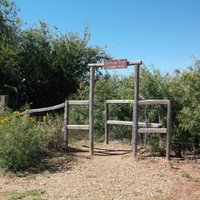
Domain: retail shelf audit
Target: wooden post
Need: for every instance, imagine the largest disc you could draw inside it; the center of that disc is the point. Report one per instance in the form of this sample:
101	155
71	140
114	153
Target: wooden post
91	111
169	127
160	136
146	126
106	125
66	120
135	111
4	100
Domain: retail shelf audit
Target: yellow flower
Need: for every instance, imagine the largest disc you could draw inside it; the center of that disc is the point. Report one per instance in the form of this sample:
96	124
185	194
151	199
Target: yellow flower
4	120
16	113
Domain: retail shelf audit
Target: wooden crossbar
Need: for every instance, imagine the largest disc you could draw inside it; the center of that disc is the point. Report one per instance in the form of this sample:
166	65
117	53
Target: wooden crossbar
78	127
130	123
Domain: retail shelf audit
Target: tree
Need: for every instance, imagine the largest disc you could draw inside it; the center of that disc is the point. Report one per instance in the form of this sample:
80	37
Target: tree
185	89
53	65
39	66
9	32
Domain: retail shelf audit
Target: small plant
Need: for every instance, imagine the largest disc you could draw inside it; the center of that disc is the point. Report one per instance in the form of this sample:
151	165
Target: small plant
99	138
51	126
187	175
29	194
136	193
91	176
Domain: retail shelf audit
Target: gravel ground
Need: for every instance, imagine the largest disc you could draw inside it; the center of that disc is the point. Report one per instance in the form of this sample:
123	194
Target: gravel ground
112	174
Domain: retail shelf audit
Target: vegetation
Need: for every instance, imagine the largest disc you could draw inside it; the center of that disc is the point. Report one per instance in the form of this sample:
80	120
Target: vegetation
39	62
182	87
22	137
28	194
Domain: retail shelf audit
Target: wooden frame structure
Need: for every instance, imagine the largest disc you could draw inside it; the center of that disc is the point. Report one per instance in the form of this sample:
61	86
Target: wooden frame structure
136	102
154	127
64	105
68	126
92	66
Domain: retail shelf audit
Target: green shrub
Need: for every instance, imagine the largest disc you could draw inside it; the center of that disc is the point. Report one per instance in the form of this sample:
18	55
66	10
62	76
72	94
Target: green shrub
20	137
51	127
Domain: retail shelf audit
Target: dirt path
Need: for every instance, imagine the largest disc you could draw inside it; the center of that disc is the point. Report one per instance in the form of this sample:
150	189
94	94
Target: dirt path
111	174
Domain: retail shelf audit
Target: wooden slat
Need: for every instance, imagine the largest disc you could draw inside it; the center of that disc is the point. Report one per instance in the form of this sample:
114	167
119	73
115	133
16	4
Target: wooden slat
152	130
140	102
117	122
71	102
78	102
116	101
153	102
153	125
44	109
78	127
130	123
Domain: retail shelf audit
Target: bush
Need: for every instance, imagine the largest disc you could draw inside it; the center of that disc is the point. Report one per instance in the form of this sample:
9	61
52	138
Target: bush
20	137
51	127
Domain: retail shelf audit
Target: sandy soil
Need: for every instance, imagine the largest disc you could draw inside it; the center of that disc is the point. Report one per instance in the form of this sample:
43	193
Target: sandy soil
110	174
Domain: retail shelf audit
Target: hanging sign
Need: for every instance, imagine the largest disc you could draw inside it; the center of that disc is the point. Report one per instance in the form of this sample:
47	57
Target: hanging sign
115	64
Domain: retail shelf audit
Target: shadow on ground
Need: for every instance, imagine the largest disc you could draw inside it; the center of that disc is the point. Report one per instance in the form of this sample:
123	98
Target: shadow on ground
108	152
52	161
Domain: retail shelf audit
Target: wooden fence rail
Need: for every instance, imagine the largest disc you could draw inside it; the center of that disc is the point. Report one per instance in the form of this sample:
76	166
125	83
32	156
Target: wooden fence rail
37	110
130	123
64	105
142	126
140	102
68	126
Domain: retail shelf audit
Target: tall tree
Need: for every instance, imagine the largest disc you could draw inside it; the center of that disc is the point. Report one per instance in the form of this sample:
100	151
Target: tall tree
9	38
52	66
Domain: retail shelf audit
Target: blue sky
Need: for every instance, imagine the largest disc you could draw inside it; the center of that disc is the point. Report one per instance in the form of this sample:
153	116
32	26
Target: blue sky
163	33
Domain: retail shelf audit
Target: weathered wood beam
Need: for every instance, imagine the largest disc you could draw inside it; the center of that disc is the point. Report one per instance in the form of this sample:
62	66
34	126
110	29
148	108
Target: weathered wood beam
152	130
44	109
140	102
78	102
78	127
130	123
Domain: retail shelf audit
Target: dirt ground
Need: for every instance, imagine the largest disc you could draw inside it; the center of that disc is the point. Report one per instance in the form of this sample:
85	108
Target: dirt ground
111	174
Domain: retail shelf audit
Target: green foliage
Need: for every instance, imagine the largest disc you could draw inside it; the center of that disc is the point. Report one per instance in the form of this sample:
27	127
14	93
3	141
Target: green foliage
43	67
51	65
9	22
28	194
22	136
182	87
9	37
51	128
40	62
116	87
